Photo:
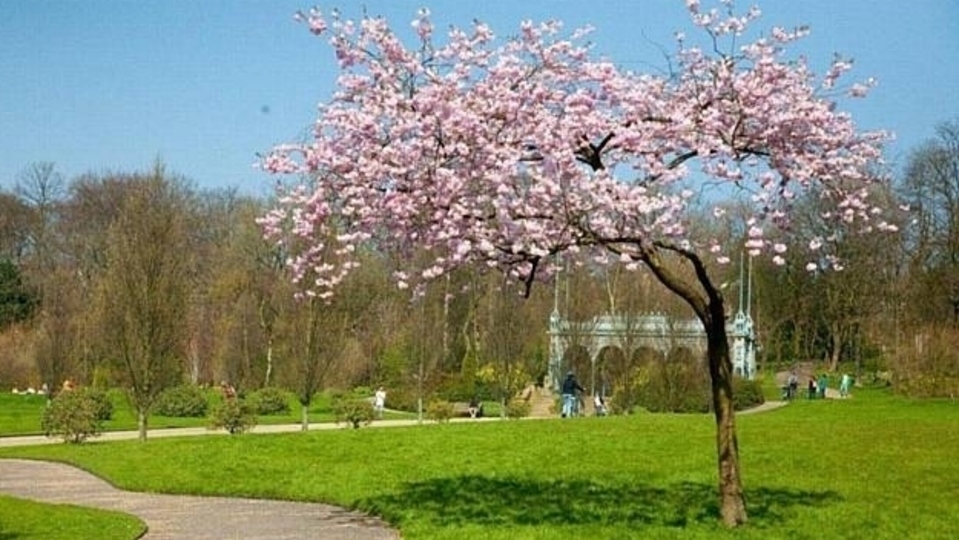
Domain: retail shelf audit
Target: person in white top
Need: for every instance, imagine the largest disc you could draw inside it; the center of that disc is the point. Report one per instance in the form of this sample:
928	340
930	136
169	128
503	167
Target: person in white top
379	402
600	405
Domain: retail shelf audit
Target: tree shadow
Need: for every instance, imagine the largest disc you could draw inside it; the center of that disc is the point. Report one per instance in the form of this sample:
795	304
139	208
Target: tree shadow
487	501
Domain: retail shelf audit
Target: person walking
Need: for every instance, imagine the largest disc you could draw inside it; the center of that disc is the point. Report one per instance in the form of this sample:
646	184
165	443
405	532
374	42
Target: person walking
792	386
570	397
379	402
844	385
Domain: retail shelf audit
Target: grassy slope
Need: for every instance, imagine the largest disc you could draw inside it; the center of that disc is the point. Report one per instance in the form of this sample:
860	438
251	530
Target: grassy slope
875	466
28	520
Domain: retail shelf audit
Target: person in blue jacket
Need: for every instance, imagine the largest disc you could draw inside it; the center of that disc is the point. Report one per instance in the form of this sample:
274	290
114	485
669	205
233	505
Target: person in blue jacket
570	398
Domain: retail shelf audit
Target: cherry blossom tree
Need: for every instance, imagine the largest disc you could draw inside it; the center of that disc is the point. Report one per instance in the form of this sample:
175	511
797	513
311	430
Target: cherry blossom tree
507	153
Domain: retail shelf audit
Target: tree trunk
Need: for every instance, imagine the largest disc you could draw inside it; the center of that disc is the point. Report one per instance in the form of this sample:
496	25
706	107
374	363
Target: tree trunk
269	361
710	308
304	416
732	505
836	349
142	424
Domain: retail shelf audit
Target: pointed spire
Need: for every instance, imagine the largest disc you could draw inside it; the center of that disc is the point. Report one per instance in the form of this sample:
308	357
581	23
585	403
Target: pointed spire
741	282
749	286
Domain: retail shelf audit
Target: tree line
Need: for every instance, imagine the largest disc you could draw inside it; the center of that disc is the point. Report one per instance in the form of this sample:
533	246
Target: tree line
144	281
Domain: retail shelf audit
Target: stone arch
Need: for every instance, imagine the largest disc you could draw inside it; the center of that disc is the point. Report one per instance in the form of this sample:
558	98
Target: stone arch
630	334
578	360
645	355
686	355
610	360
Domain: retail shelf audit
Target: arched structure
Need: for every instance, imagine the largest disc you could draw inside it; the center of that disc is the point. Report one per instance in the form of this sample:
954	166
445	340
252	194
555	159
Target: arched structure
654	331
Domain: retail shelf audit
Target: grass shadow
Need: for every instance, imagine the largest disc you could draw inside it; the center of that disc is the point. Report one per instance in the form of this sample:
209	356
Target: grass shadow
486	501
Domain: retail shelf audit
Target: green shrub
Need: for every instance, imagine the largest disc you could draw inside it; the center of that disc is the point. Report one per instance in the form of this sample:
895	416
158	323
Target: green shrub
184	401
679	384
678	387
624	400
518	408
270	401
931	371
233	415
102	404
439	411
628	390
464	388
686	389
352	410
747	394
401	399
74	415
362	391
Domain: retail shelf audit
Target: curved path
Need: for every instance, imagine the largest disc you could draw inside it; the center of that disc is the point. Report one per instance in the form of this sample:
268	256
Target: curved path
765	406
170	517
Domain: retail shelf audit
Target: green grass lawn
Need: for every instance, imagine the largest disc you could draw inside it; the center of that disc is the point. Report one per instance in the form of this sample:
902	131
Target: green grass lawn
875	466
20	414
28	520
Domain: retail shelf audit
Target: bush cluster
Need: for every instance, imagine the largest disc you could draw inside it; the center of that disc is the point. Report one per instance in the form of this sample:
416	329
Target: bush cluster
747	394
676	386
928	386
184	401
353	410
462	388
929	372
270	401
102	404
518	408
233	415
400	398
439	411
680	387
76	415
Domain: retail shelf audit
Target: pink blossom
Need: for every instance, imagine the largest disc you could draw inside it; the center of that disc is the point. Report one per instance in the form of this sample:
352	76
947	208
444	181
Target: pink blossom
505	153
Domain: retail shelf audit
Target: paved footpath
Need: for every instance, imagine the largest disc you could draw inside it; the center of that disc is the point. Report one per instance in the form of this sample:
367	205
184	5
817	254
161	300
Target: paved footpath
170	517
175	517
32	440
766	406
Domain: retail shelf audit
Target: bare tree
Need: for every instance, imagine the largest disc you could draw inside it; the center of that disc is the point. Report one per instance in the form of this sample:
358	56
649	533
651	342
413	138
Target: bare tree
41	188
84	221
931	188
314	335
144	290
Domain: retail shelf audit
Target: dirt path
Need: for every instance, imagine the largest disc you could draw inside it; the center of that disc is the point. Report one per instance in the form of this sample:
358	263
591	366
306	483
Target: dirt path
178	517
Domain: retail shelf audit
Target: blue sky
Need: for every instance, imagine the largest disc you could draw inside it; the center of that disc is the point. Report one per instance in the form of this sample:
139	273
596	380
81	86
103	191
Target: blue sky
98	86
